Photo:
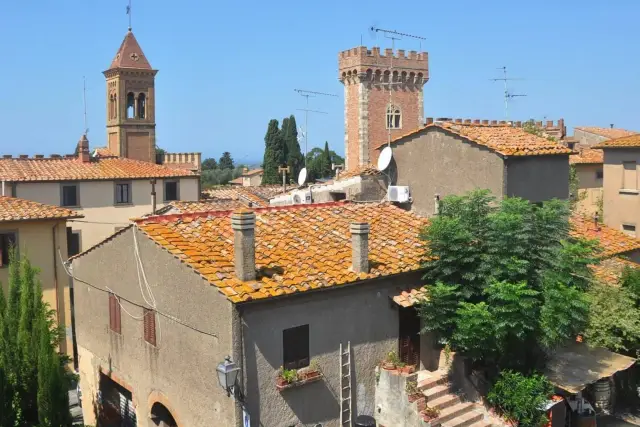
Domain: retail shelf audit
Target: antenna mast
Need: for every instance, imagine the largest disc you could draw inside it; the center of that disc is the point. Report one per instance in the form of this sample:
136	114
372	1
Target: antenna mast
309	94
507	94
129	13
84	104
393	35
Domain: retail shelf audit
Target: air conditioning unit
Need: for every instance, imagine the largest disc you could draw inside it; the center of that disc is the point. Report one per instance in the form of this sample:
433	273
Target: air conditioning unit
398	193
302	198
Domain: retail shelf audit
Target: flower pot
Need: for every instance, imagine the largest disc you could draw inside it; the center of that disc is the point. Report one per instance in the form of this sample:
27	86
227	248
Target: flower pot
408	369
388	366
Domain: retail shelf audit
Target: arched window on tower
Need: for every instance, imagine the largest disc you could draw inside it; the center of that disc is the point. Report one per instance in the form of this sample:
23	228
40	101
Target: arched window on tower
130	105
142	104
112	106
394	117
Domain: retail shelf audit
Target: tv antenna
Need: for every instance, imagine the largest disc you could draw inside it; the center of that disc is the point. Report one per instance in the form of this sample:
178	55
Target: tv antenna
507	95
84	104
129	13
393	36
309	94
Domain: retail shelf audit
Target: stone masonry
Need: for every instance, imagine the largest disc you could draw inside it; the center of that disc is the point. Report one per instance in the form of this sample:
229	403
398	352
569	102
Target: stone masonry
366	74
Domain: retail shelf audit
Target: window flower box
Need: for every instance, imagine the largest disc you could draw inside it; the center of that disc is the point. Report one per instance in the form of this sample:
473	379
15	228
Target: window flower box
291	378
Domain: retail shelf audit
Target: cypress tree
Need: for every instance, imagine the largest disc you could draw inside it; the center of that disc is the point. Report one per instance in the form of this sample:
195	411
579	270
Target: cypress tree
325	169
295	159
274	154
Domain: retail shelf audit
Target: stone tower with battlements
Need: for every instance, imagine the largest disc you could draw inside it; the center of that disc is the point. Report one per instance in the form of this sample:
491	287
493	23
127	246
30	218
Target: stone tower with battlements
368	114
131	124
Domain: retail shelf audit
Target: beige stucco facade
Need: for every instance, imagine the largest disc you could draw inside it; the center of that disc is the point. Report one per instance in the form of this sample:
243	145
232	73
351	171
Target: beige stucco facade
586	138
182	366
436	162
621	189
45	244
102	216
590	188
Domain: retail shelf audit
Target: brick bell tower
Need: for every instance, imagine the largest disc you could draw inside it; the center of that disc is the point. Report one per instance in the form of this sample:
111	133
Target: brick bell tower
131	125
368	114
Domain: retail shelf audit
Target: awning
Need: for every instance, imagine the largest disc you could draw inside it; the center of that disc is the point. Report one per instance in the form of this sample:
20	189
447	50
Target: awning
575	366
409	297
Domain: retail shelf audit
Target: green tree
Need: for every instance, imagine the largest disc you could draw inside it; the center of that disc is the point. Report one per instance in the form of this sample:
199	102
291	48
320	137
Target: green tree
295	159
439	309
275	154
319	164
226	162
325	165
630	280
475	333
520	398
209	164
34	380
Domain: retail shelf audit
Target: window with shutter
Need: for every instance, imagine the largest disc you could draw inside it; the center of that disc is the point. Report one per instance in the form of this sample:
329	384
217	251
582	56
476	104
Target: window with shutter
150	326
295	349
7	241
114	314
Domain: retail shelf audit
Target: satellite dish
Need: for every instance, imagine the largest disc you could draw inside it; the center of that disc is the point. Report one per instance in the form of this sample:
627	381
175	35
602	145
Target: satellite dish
302	177
384	159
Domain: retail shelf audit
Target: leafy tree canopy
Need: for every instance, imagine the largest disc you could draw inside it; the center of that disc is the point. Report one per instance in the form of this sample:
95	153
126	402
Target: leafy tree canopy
521	399
209	164
226	162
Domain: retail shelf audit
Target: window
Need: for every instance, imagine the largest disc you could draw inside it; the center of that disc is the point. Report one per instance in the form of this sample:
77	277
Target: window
73	242
7	241
170	191
149	326
295	343
114	314
629	229
394	118
130	105
142	104
629	178
123	193
599	174
70	196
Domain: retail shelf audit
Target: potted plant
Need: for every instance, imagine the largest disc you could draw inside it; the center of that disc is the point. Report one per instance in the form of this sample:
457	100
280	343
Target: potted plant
286	377
391	362
413	393
430	414
310	372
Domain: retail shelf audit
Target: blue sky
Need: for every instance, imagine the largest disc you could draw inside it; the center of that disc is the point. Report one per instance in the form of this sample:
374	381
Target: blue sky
226	68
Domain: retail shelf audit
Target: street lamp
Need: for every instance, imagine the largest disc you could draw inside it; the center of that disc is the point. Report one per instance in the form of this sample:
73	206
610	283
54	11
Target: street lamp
227	374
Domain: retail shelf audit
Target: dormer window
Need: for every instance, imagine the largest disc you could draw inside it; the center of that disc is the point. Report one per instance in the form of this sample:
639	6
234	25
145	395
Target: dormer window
394	117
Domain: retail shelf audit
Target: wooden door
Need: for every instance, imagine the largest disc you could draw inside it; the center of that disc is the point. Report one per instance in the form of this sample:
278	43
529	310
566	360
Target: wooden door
409	336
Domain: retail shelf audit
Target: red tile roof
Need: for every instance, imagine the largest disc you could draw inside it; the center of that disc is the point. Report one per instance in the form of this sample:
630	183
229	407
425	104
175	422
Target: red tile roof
103	152
410	297
259	195
364	170
586	156
14	209
298	249
502	138
253	172
610	270
130	55
72	169
606	132
206	205
612	242
624	142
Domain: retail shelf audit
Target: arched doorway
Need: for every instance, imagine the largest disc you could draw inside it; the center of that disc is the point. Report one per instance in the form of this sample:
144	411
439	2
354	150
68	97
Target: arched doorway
161	416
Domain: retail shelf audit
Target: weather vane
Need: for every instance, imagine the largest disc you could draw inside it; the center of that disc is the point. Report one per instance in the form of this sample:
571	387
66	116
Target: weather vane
129	13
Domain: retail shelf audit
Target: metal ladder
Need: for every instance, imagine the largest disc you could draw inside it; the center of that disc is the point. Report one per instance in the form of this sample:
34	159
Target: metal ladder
346	394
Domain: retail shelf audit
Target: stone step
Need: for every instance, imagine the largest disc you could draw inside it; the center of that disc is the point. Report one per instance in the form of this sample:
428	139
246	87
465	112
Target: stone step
435	392
464	420
454	411
443	402
483	423
432	380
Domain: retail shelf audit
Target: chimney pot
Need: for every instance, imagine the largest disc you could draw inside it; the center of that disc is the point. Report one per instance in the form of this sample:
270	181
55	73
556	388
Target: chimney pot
494	122
359	247
429	120
7	156
83	150
476	121
243	223
24	156
485	122
39	156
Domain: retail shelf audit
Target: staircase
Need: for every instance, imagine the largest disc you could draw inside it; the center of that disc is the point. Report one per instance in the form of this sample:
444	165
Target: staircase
452	411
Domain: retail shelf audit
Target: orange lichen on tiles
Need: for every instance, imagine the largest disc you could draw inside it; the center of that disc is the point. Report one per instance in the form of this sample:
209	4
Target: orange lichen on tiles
207	205
13	209
587	156
71	169
610	270
410	297
363	170
258	196
610	133
298	248
504	139
627	141
612	242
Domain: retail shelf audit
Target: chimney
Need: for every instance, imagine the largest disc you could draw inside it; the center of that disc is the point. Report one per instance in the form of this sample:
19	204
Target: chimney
429	120
243	223
360	247
83	149
596	221
611	125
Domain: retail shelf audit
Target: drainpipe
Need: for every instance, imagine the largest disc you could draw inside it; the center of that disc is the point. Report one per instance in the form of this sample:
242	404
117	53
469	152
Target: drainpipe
55	272
153	196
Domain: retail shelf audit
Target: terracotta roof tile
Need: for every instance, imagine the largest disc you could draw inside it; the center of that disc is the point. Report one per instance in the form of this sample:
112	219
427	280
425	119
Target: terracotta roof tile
410	297
613	242
586	156
627	141
103	152
502	138
610	270
207	205
364	170
297	248
253	172
63	169
237	181
259	195
13	209
130	55
606	132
